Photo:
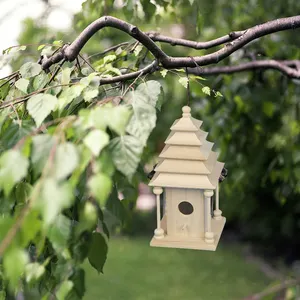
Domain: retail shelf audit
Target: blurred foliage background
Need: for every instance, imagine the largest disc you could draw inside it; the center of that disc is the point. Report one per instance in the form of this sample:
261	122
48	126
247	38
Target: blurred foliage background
255	124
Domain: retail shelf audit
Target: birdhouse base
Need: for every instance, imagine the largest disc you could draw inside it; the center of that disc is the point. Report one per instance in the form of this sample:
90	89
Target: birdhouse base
190	243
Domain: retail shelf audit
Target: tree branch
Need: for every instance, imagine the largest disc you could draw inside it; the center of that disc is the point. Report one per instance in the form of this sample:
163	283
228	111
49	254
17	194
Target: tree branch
290	68
155	36
239	39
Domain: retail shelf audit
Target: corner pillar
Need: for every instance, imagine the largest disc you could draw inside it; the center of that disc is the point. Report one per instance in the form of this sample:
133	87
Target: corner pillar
158	232
208	235
217	211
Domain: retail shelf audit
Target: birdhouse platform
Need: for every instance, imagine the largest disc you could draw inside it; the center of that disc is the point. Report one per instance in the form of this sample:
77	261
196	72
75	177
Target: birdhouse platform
189	243
187	174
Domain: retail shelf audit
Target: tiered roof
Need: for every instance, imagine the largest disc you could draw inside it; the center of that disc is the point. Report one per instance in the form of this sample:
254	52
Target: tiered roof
187	160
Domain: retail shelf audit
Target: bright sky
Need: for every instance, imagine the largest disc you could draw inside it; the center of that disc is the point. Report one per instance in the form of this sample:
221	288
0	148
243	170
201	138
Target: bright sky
12	12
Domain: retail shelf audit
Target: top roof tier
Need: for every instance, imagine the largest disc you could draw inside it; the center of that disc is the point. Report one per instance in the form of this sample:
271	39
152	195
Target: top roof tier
187	160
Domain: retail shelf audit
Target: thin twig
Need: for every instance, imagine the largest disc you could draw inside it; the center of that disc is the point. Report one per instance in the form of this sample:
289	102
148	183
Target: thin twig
125	92
288	68
13	230
86	62
26	97
10	75
109	50
55	72
14	109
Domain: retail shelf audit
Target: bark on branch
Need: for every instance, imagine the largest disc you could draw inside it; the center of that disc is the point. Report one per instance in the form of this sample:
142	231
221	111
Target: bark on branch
235	41
290	68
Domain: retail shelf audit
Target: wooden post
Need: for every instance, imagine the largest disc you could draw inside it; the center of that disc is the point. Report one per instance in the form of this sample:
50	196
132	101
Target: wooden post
208	235
158	232
217	211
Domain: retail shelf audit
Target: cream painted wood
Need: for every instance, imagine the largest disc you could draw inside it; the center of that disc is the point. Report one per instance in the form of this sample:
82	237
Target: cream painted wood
186	124
183	138
211	161
197	244
191	181
158	232
179	224
217	211
215	174
209	235
182	167
188	170
187	152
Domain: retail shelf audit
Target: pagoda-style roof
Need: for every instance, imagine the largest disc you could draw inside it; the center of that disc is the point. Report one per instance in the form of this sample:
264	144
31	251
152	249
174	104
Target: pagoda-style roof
187	160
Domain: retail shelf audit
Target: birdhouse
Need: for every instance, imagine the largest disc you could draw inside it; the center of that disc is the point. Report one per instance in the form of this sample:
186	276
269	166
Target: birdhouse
187	174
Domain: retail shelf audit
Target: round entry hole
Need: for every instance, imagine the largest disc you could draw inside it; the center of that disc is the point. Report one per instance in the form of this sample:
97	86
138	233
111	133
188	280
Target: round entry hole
185	207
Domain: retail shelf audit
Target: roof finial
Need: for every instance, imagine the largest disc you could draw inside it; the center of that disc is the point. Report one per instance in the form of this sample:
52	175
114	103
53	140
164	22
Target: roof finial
186	112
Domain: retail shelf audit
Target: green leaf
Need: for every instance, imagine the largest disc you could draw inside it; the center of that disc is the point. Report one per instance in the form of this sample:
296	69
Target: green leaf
114	205
85	157
66	75
6	223
104	163
119	118
58	43
164	73
14	263
96	140
69	94
143	120
13	168
100	186
14	133
126	153
218	94
138	49
22	85
40	47
109	58
40	81
91	80
150	91
66	160
64	289
268	108
144	101
206	90
59	233
4	89
98	251
183	81
78	278
30	69
90	93
149	9
31	226
23	191
88	217
41	147
34	271
54	198
40	106
91	83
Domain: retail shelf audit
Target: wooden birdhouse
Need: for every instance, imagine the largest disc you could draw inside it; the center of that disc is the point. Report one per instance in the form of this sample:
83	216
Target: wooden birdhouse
188	173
